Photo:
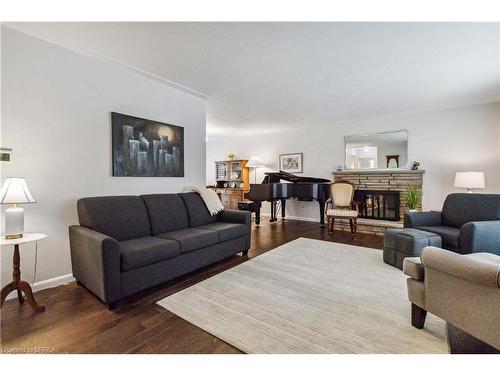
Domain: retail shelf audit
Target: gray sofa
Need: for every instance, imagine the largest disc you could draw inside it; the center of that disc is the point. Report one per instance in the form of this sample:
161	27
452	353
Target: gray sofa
125	244
468	223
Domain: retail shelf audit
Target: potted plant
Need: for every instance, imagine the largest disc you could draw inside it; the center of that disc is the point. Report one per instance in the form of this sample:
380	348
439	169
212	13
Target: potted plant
412	196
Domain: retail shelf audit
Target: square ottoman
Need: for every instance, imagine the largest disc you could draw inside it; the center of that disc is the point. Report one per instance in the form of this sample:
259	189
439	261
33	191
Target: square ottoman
406	242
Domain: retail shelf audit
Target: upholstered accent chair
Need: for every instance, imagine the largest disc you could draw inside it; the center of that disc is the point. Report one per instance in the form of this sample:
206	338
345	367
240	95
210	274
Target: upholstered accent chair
464	290
342	205
468	223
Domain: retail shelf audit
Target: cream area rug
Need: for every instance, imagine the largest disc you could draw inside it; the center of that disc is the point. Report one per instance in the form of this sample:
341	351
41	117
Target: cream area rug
310	296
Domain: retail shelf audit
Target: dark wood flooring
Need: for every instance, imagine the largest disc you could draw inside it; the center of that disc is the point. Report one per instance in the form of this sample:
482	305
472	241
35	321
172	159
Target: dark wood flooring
77	322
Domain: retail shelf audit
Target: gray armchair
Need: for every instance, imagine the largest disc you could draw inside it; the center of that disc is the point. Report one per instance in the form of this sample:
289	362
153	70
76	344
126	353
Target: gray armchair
469	223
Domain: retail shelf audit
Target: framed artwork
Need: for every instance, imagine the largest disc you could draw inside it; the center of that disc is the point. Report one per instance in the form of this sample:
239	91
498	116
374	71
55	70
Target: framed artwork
5	155
146	148
291	163
392	161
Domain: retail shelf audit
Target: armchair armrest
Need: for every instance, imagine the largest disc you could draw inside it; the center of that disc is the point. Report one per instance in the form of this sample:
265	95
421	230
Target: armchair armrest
422	219
95	259
480	236
475	268
235	216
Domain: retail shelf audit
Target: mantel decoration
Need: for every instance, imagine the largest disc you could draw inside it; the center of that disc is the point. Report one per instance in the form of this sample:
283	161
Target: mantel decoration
146	148
291	163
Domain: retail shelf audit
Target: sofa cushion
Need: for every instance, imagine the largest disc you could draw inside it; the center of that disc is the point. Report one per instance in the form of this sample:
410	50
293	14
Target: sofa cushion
191	239
197	210
450	236
120	217
226	231
461	208
167	212
144	251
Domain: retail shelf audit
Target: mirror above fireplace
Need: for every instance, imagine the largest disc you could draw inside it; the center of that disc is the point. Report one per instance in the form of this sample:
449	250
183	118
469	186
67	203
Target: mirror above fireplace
388	150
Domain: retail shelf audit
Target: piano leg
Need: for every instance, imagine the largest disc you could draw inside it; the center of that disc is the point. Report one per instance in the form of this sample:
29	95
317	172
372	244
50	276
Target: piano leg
273	212
322	213
283	205
257	214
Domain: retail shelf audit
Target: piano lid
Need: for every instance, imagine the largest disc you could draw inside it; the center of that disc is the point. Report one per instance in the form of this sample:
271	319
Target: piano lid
274	177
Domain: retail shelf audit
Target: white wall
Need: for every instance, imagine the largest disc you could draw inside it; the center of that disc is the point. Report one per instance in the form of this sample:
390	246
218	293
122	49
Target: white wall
444	142
56	108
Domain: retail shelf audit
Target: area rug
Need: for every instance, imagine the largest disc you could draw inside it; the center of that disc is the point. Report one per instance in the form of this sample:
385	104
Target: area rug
310	296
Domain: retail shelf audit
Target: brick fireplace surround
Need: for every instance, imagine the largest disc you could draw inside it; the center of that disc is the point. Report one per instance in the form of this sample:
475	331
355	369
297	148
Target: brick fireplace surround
386	180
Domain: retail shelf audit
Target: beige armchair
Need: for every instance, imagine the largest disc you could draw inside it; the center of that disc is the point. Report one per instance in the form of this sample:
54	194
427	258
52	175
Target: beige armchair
341	205
464	290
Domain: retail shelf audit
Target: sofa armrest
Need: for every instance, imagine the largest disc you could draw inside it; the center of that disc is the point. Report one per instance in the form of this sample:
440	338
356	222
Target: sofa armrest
474	268
413	267
480	236
422	219
235	216
95	259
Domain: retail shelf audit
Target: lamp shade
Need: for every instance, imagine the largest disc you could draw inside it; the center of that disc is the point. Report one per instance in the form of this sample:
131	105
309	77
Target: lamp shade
15	190
255	162
469	180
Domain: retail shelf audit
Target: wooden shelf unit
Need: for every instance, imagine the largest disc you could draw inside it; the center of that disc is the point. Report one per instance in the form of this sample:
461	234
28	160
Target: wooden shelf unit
232	182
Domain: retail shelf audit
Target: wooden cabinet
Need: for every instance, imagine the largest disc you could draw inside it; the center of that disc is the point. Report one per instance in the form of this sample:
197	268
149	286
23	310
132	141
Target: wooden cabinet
231	182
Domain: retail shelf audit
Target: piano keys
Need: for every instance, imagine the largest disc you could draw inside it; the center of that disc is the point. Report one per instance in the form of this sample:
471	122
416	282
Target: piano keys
303	188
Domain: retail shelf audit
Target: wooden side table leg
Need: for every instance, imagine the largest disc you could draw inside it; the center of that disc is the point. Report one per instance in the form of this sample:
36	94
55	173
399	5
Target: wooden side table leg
6	290
19	285
25	287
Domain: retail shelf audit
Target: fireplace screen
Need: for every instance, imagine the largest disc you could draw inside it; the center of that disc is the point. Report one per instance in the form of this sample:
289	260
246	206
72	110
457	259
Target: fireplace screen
378	204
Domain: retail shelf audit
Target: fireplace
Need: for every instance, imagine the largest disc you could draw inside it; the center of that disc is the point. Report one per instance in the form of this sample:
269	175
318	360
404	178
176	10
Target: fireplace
378	204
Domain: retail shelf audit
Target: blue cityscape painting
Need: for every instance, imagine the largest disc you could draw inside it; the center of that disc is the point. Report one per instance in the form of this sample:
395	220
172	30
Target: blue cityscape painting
146	148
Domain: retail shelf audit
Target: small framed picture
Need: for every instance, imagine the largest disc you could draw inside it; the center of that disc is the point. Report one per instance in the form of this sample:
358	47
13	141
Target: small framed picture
392	161
5	155
291	163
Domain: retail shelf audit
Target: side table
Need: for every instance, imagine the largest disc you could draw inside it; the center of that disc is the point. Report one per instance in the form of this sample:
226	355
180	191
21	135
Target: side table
17	284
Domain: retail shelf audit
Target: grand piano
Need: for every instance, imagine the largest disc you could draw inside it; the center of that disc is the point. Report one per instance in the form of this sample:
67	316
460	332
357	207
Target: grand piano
273	190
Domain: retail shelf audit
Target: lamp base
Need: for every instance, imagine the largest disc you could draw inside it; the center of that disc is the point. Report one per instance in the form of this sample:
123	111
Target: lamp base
14	223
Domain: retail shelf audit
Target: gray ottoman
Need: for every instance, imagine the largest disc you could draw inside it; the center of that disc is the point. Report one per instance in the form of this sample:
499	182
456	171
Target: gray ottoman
406	242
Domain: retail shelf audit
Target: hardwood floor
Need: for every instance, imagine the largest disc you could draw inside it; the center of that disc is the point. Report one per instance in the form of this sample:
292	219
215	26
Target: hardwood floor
77	322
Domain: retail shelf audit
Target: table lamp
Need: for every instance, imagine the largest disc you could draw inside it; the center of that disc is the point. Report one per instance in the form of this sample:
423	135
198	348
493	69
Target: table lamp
15	191
255	162
469	180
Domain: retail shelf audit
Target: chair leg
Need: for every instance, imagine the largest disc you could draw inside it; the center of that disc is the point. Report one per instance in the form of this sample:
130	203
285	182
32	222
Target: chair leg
351	224
355	225
328	223
332	223
418	315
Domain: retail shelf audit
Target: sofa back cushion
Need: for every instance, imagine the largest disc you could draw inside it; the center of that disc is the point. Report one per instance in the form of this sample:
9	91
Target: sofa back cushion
120	217
197	210
461	208
167	212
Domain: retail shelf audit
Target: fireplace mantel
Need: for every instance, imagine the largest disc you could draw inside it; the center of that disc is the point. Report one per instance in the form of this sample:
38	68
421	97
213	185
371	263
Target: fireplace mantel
348	172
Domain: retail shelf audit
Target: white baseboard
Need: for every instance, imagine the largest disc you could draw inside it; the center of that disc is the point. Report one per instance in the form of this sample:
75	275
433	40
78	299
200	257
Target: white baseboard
46	284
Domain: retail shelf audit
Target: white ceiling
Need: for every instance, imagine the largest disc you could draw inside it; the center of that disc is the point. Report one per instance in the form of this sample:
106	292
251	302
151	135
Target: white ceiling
262	77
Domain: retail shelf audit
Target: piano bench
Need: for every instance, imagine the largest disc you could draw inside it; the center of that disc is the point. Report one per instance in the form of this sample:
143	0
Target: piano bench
249	206
252	207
